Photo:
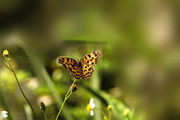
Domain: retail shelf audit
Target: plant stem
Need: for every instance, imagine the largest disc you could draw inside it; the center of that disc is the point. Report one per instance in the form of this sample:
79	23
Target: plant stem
109	115
6	66
45	115
132	115
101	112
66	97
3	101
60	109
22	90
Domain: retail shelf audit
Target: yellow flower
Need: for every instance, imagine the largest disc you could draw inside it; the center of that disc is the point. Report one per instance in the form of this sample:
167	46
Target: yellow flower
109	107
6	54
91	106
126	112
88	107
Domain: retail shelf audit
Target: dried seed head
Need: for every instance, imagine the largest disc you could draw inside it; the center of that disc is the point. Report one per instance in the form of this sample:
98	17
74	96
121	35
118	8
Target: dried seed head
42	106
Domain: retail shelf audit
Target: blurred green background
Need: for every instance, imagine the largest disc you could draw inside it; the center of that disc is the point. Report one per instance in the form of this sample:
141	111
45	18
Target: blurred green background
139	68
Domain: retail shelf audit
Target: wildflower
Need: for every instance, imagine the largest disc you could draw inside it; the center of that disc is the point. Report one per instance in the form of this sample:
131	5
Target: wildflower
74	88
42	106
109	108
3	114
91	106
6	54
126	112
105	118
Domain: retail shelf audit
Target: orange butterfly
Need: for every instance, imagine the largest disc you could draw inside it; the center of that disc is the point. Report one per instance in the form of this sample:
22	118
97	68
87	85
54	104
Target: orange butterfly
83	68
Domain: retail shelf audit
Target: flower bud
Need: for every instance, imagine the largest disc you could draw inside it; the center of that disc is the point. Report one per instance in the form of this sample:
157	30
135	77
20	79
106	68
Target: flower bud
105	118
42	106
126	112
109	107
6	54
74	88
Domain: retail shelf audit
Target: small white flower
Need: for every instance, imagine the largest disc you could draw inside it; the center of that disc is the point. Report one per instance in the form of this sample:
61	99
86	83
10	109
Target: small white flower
91	106
3	114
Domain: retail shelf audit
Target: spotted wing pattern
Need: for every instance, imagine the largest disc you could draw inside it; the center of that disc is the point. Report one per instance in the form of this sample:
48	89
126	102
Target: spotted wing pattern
87	70
87	61
91	58
83	68
71	65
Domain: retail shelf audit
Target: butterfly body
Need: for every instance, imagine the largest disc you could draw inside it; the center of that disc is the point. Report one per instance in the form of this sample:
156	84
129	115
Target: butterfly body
81	68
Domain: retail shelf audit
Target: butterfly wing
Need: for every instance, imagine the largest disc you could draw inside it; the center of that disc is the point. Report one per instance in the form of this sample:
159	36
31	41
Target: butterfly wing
91	58
87	61
82	69
87	70
71	65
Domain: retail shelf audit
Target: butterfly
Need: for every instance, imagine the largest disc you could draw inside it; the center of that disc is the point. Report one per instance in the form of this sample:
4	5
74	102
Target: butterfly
81	68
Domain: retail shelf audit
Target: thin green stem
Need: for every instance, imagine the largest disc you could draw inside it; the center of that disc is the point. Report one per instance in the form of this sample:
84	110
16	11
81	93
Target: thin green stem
70	89
6	65
22	90
45	115
109	115
69	95
60	109
104	115
101	112
65	98
132	113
